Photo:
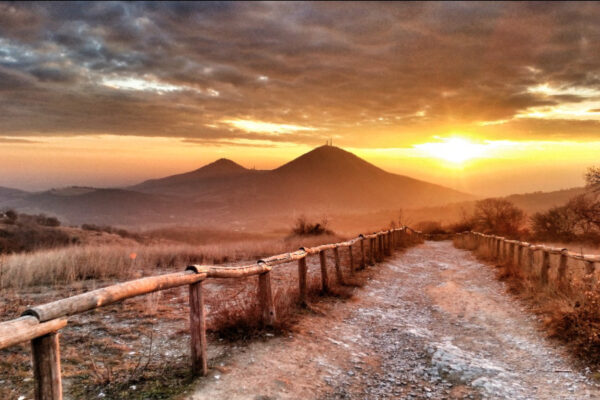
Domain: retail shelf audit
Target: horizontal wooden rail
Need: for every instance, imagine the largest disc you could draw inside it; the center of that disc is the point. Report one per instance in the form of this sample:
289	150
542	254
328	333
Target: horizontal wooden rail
27	328
111	294
40	324
538	247
560	277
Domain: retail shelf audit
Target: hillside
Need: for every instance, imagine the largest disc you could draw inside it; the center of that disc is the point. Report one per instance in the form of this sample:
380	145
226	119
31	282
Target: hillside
216	173
8	194
541	201
324	181
77	205
531	203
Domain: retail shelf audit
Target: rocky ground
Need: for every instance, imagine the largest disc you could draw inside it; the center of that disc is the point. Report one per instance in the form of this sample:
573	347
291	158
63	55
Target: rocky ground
432	322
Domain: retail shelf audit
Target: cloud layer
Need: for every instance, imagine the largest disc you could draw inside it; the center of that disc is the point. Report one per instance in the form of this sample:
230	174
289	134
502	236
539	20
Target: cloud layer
361	72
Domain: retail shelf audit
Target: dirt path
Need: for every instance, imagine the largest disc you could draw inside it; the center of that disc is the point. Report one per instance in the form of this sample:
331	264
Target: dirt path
432	323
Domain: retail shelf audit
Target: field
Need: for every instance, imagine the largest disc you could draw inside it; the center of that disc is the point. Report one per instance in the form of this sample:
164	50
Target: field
139	348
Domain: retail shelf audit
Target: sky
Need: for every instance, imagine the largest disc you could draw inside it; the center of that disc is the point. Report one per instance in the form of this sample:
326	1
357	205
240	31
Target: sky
491	98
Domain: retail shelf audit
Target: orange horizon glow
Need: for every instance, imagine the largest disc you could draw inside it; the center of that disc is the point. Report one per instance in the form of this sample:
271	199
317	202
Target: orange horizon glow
464	163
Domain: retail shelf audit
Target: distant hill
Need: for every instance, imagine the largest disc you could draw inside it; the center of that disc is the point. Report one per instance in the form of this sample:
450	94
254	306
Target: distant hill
542	201
324	181
76	205
531	203
181	184
7	194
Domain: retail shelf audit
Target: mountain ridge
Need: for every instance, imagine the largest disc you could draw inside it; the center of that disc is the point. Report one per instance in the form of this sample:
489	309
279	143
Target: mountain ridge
324	181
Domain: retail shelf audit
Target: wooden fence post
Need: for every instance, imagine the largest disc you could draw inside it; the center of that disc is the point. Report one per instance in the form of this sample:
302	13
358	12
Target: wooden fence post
324	277
363	261
46	367
388	243
372	251
351	255
589	271
302	271
530	260
498	241
562	268
198	329
338	269
545	267
511	253
380	252
265	299
519	255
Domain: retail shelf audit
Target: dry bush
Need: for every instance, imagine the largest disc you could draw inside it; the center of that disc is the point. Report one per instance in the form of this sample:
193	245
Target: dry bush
20	237
578	220
493	216
303	227
498	216
592	178
430	227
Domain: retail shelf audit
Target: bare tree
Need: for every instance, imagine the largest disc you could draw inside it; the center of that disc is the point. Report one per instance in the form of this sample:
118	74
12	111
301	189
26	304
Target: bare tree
498	216
592	178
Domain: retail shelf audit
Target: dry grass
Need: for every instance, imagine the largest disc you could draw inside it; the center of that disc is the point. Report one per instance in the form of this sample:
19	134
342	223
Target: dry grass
138	348
71	264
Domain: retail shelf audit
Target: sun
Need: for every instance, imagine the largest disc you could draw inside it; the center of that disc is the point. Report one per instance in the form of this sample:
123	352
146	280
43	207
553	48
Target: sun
456	150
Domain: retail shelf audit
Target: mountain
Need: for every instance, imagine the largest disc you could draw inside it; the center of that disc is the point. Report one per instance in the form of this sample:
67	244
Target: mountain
8	194
215	172
326	179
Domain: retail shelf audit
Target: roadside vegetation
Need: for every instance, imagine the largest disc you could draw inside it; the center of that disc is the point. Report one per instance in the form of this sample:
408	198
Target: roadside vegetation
570	313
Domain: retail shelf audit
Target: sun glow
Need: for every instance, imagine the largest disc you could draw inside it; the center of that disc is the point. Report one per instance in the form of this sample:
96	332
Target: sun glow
455	149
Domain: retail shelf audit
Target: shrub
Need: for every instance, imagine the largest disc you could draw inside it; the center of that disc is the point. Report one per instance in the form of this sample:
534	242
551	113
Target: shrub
9	217
555	224
462	226
498	216
305	228
592	178
47	221
579	220
430	227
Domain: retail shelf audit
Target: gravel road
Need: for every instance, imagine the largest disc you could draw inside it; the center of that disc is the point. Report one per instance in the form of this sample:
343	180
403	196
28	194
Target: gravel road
432	322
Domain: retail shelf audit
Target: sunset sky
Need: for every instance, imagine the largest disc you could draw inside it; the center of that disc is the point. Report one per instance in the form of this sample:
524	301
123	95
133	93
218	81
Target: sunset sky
489	98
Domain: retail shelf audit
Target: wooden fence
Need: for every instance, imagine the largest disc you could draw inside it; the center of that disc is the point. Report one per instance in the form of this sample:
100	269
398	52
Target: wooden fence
535	261
40	324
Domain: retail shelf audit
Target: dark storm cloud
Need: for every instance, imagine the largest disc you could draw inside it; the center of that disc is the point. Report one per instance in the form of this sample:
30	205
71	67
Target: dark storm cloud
332	66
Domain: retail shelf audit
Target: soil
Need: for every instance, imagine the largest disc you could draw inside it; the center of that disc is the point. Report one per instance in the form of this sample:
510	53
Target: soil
432	322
